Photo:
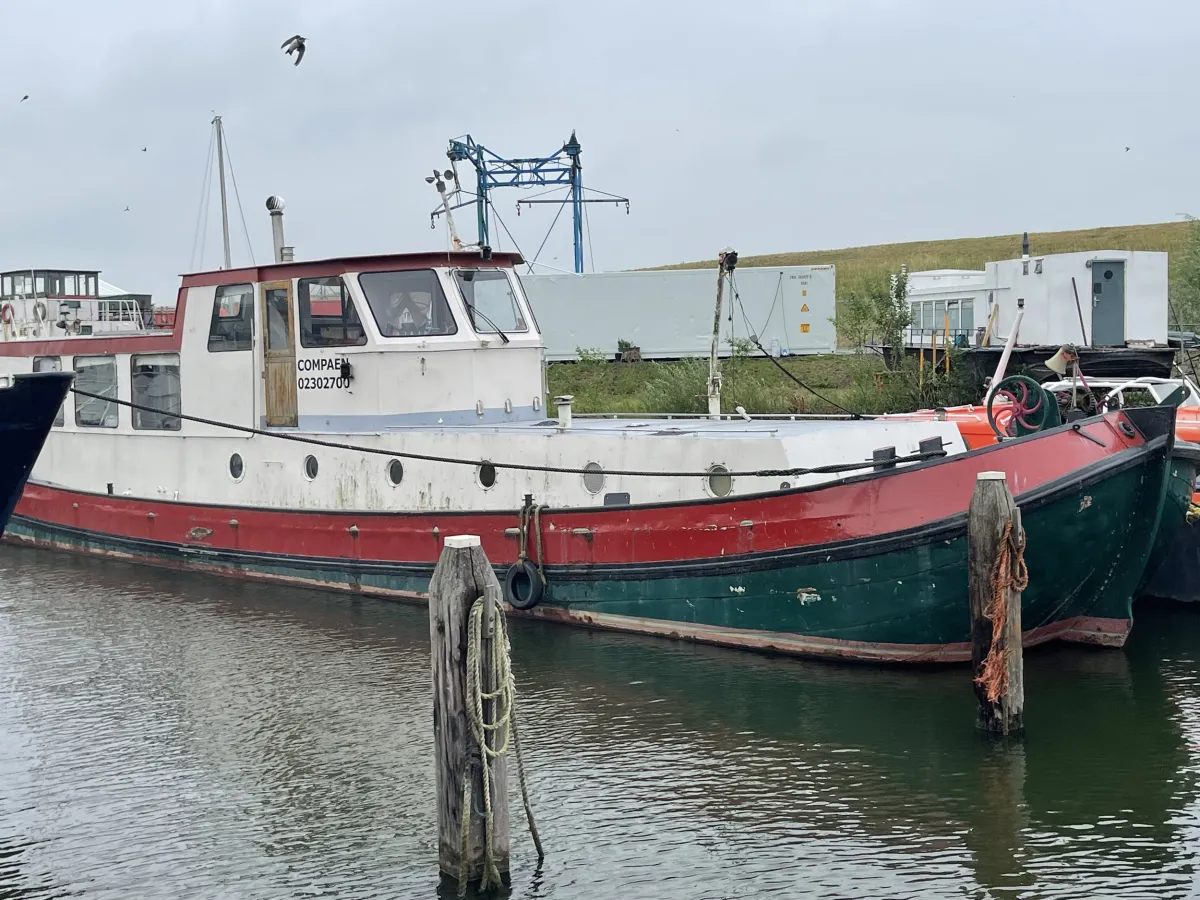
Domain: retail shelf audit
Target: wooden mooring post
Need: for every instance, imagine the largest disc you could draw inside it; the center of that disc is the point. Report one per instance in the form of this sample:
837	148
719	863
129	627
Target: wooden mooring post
996	576
462	576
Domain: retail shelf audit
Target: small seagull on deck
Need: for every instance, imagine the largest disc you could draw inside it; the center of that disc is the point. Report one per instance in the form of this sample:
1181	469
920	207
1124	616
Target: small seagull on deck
294	44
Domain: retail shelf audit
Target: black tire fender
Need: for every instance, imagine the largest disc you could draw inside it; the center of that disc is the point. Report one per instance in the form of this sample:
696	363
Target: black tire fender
523	585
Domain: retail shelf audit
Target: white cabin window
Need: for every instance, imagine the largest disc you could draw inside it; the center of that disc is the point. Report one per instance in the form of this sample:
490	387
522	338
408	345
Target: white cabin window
232	326
51	364
155	380
491	304
408	303
96	375
328	317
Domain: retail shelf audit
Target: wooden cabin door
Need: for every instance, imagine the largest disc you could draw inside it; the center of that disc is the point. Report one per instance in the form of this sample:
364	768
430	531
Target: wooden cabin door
279	352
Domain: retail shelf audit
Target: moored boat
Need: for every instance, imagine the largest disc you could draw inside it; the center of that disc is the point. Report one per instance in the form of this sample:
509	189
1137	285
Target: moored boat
329	423
28	407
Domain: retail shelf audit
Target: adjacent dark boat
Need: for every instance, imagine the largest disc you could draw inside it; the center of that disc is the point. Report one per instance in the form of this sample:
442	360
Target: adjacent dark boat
28	407
1173	572
1097	362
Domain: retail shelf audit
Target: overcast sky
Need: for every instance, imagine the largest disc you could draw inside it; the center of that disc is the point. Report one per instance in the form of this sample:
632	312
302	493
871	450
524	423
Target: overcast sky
768	125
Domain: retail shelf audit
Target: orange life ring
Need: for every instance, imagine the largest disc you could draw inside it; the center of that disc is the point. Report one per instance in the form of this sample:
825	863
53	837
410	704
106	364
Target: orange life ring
6	314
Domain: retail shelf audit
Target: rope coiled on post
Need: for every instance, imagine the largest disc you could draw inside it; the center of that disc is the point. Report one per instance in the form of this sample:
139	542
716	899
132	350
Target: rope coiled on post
1008	572
491	737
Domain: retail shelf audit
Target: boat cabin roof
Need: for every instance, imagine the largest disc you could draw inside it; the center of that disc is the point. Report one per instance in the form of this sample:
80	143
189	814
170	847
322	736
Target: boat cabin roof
317	268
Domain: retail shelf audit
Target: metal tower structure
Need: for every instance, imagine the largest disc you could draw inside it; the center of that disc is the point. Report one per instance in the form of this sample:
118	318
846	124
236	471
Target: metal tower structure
494	171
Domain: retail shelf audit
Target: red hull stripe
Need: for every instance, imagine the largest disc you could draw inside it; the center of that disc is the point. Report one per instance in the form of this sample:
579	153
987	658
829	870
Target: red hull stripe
857	509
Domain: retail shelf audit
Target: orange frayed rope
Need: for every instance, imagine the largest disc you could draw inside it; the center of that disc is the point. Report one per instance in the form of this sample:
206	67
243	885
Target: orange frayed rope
1008	572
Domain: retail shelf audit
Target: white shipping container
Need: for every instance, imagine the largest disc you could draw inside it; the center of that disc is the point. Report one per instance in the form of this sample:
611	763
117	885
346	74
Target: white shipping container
669	314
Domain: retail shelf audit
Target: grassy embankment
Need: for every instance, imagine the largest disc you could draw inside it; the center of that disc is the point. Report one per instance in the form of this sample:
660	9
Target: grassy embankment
849	380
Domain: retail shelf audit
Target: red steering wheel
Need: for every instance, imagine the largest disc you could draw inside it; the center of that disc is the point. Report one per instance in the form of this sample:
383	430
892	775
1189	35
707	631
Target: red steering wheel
1017	406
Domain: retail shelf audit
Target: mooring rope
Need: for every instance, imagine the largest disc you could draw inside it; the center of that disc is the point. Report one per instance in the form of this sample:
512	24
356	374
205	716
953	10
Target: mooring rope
501	727
831	469
1008	572
531	514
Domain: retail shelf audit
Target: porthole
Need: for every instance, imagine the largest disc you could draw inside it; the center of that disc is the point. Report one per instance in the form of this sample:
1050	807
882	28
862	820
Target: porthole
310	467
593	478
487	475
720	483
785	485
1108	274
395	471
237	468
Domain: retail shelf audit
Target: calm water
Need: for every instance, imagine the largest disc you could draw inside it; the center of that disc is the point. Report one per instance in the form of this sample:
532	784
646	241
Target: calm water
164	735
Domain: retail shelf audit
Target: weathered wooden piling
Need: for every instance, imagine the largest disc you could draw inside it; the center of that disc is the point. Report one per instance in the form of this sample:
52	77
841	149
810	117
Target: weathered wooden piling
462	576
996	576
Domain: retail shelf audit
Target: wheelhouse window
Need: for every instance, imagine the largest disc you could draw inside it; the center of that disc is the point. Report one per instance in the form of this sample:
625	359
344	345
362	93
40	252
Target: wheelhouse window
96	375
155	380
51	364
327	314
408	303
232	326
491	304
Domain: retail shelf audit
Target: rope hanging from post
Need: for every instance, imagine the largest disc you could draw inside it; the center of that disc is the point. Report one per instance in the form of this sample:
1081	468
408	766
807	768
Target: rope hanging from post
1008	572
491	737
531	514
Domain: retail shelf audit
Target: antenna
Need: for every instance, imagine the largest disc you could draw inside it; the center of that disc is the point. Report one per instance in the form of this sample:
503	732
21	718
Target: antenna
436	179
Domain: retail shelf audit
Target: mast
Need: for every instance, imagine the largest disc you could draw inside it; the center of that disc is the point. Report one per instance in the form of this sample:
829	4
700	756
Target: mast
726	260
221	175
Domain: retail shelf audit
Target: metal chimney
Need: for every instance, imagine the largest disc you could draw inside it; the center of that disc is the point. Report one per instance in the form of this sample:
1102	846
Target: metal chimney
275	208
1024	245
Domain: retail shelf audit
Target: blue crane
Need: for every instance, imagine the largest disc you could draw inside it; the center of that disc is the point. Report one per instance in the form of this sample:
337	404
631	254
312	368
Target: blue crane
494	171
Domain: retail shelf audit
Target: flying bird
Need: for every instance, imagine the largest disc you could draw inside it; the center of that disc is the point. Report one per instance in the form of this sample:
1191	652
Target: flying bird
26	97
1126	149
143	149
294	44
127	209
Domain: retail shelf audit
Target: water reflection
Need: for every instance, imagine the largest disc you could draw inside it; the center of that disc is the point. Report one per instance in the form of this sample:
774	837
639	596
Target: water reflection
167	735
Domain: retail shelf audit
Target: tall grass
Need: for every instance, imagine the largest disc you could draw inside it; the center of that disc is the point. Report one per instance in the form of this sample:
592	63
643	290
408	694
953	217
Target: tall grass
681	388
